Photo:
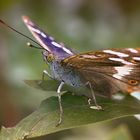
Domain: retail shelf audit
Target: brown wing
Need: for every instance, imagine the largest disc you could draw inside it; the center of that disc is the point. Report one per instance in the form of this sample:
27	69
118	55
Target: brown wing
109	70
114	57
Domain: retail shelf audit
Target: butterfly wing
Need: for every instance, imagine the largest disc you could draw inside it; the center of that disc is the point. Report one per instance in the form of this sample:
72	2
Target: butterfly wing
109	71
46	41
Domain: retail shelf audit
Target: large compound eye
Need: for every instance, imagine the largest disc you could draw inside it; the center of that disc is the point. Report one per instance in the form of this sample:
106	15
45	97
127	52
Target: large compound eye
50	57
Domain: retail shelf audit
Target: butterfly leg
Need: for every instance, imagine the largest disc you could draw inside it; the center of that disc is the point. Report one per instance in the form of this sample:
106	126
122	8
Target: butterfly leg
45	72
60	104
97	107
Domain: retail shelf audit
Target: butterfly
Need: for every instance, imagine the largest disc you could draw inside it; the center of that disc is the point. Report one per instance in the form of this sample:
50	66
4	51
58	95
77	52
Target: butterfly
103	72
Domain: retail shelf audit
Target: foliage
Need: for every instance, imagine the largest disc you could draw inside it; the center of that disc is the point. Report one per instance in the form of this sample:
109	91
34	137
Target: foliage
76	113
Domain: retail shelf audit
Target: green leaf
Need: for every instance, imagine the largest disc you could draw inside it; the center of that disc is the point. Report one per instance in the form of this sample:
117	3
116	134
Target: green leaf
47	85
76	113
120	133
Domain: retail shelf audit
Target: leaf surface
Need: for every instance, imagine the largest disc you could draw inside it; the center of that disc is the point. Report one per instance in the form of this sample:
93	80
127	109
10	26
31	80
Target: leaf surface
76	113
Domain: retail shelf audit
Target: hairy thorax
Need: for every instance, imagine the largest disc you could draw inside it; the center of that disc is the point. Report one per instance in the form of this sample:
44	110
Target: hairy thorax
66	74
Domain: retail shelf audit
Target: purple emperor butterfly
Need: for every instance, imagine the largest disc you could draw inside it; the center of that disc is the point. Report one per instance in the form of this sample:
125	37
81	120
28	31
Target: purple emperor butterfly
104	72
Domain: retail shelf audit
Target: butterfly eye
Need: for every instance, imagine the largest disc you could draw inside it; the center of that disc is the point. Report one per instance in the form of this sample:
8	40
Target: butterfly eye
133	82
50	57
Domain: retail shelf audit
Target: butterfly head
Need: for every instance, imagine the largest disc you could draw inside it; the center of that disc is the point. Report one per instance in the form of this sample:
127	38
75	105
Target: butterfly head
48	57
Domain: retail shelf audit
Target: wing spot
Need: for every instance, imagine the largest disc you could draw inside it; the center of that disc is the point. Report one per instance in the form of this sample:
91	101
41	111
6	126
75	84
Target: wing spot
132	50
119	54
43	35
56	44
67	50
121	60
86	56
136	58
51	38
122	71
60	46
133	82
100	55
34	30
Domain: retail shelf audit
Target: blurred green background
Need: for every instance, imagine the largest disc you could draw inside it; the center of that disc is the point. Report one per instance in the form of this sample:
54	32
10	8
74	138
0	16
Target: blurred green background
81	24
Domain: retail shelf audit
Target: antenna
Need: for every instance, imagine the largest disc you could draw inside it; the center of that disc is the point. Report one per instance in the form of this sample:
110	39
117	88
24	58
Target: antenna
2	22
32	46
